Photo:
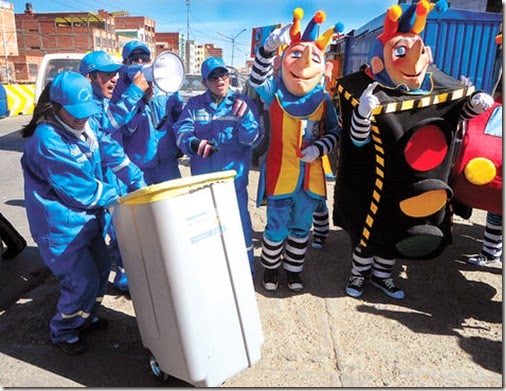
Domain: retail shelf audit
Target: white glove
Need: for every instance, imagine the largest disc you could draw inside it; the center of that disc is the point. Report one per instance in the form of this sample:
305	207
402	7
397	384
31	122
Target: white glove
368	101
466	81
310	154
277	38
481	102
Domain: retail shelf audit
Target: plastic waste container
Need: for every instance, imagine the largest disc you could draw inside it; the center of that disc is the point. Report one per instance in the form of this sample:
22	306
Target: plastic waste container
189	278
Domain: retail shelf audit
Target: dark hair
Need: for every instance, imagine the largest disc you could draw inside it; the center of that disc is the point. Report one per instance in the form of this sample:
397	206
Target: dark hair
44	108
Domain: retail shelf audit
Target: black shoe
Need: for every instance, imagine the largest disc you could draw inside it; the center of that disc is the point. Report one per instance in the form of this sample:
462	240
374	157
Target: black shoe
387	285
318	242
295	282
270	279
72	348
355	286
13	251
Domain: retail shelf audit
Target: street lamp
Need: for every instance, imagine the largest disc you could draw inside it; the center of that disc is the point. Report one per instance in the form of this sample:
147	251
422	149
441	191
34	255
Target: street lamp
232	39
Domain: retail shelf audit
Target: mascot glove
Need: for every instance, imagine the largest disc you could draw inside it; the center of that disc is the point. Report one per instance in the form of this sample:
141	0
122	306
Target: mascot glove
203	148
466	81
310	154
482	102
368	102
277	38
240	108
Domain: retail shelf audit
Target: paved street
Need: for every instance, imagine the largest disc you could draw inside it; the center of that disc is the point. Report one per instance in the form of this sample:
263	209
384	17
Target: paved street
446	333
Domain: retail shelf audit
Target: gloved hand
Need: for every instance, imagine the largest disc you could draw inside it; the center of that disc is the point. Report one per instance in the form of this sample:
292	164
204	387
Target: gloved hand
466	81
368	102
481	102
310	154
277	38
240	108
203	148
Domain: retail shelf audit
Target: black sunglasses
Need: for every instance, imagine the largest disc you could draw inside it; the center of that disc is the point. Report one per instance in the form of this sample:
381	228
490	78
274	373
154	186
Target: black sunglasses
142	56
218	75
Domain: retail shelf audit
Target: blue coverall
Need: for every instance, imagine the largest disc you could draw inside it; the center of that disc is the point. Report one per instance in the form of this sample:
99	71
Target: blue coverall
66	196
148	139
235	137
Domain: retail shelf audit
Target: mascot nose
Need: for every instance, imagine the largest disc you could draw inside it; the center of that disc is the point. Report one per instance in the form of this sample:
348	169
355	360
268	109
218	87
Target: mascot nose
414	54
306	56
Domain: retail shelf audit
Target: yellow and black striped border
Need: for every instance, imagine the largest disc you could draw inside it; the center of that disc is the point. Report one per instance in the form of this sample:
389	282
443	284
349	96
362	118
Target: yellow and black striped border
408	104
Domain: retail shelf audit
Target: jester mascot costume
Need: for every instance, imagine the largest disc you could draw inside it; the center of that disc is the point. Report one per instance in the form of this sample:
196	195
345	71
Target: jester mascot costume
400	115
304	128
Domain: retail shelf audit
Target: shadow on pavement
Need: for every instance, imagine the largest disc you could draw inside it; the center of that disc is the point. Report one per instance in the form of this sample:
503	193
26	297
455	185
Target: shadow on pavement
115	358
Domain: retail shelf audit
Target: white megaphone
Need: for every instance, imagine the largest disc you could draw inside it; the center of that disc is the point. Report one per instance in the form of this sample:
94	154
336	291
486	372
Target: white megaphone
166	71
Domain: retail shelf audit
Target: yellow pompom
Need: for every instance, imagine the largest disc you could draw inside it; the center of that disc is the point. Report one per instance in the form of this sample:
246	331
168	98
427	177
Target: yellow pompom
298	14
480	171
394	13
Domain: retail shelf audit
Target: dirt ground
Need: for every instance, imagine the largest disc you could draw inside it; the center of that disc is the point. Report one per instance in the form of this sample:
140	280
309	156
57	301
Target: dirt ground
447	332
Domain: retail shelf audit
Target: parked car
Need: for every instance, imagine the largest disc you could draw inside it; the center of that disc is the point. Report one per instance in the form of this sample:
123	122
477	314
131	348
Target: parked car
51	65
192	86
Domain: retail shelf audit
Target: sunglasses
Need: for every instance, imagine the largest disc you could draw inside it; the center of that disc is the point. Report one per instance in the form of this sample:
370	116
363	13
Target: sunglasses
136	57
215	76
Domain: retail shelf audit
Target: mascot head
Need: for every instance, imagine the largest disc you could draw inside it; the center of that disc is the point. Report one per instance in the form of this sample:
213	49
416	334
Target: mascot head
303	61
399	57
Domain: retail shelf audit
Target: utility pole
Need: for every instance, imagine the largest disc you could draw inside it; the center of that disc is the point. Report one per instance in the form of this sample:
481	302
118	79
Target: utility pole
187	46
232	39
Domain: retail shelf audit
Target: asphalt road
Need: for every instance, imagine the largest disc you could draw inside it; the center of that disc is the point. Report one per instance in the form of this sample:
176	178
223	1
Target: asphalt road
446	333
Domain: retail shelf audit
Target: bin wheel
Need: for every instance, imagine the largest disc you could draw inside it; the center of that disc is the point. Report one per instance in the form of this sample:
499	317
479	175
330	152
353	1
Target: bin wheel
156	371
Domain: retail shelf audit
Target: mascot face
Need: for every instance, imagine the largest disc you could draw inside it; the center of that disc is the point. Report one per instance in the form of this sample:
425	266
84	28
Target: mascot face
405	59
303	65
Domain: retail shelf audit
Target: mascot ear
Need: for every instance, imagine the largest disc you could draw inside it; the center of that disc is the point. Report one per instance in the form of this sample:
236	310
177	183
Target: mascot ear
377	65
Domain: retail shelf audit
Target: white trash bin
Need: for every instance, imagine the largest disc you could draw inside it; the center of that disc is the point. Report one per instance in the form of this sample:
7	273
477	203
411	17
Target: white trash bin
189	278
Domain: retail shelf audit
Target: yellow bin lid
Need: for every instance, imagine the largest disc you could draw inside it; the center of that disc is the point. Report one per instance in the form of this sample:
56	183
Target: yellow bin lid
175	187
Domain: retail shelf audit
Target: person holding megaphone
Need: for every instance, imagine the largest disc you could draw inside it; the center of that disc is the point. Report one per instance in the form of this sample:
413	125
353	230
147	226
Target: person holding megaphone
148	139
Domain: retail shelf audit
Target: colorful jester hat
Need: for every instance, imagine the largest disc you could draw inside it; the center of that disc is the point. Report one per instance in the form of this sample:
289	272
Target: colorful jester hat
398	23
311	31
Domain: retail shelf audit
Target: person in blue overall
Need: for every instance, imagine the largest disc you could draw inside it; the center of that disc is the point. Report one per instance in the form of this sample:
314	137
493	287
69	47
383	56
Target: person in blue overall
148	138
66	197
102	71
217	131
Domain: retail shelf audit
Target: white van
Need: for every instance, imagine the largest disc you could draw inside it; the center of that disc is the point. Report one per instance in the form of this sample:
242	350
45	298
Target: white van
51	65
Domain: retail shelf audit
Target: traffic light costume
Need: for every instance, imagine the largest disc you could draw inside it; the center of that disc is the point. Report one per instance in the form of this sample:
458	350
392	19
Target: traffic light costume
303	128
400	116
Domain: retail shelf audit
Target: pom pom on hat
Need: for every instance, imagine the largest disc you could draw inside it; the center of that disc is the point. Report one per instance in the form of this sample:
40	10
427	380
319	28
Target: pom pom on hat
298	14
311	31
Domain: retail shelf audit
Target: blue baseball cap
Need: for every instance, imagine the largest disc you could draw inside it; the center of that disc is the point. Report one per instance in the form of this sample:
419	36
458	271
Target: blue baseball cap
131	46
99	61
73	91
210	64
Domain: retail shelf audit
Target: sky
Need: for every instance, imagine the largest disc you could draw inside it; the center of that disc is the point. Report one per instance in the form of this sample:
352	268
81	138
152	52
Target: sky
221	21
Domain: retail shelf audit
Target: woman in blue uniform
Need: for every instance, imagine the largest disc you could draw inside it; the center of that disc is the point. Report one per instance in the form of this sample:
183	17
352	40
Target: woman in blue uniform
66	197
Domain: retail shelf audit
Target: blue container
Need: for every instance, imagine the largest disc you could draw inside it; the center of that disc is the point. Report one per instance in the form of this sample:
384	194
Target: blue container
462	43
4	112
